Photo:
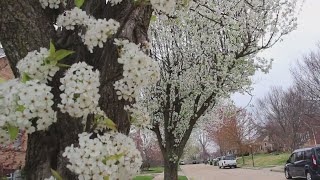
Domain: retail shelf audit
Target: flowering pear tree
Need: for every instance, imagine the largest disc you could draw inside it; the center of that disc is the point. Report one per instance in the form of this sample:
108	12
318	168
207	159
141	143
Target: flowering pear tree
204	54
79	65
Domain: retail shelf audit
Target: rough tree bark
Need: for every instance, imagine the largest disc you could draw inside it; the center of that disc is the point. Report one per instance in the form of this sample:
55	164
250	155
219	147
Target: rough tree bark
25	26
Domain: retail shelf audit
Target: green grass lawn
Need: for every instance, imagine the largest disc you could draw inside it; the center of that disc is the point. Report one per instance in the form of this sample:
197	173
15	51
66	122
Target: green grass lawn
264	160
182	178
143	178
151	177
151	170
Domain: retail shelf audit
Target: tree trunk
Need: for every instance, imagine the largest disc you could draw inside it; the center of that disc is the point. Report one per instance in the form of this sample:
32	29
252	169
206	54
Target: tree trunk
170	170
26	26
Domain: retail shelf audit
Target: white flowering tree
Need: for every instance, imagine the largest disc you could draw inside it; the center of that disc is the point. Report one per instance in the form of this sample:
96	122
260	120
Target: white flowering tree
204	54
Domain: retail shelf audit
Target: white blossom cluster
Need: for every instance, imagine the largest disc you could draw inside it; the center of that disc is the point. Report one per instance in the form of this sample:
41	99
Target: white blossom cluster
139	116
24	103
50	178
112	155
139	70
97	30
166	6
114	2
35	66
72	18
4	137
53	4
80	90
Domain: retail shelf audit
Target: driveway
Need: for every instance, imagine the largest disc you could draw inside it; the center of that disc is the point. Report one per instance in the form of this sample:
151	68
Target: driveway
207	172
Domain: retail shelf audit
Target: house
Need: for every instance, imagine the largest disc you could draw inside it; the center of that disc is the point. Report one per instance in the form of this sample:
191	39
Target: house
264	145
5	70
12	156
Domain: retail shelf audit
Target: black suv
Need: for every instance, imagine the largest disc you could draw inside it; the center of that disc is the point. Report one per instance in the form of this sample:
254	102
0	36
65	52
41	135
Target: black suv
304	163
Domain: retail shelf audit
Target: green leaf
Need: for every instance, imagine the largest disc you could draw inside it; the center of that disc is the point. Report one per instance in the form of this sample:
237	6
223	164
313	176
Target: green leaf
110	124
79	3
153	18
20	108
52	48
60	54
63	65
2	80
106	178
113	157
13	131
56	174
25	77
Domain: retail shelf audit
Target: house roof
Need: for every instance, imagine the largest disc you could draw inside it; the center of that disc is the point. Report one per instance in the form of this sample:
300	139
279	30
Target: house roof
2	54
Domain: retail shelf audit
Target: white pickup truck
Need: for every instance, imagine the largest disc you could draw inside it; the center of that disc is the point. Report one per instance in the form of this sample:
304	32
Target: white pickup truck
227	161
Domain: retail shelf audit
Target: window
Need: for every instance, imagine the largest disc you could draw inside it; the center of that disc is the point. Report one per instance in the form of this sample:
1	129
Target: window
229	158
299	156
292	158
308	155
318	153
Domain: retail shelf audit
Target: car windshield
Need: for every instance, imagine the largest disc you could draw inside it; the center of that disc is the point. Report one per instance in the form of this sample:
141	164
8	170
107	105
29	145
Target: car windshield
318	153
229	158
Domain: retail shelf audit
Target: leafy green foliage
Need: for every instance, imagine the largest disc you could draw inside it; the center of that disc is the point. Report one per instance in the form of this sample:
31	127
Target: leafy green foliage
153	18
13	131
143	178
25	77
2	80
79	3
20	108
56	56
113	157
56	174
110	124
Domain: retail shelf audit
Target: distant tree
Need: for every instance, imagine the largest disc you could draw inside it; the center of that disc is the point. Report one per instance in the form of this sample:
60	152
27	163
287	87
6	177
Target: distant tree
307	76
235	132
282	115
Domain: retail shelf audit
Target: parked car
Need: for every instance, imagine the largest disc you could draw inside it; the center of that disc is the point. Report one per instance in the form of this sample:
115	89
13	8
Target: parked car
195	162
304	163
216	161
227	161
182	163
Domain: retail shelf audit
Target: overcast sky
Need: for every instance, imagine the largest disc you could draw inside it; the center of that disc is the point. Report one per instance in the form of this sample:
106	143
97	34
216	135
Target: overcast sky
285	54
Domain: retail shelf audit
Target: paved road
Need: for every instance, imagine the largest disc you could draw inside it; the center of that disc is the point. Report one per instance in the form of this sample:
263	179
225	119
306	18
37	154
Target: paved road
207	172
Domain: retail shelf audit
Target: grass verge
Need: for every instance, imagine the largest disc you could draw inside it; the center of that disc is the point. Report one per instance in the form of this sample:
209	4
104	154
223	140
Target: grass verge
182	178
152	170
264	160
143	178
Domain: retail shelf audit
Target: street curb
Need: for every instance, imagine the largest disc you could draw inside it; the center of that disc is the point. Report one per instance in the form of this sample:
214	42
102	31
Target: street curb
276	170
252	168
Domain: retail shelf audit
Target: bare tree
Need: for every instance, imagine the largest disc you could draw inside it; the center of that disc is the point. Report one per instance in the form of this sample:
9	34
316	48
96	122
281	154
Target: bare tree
282	115
307	76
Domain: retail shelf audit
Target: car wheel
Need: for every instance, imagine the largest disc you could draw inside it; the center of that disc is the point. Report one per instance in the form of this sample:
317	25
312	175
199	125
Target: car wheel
309	176
219	167
235	166
287	174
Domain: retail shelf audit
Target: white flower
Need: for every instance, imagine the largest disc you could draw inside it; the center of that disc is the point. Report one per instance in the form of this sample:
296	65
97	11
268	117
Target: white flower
26	102
53	4
80	87
35	67
139	70
112	154
97	30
